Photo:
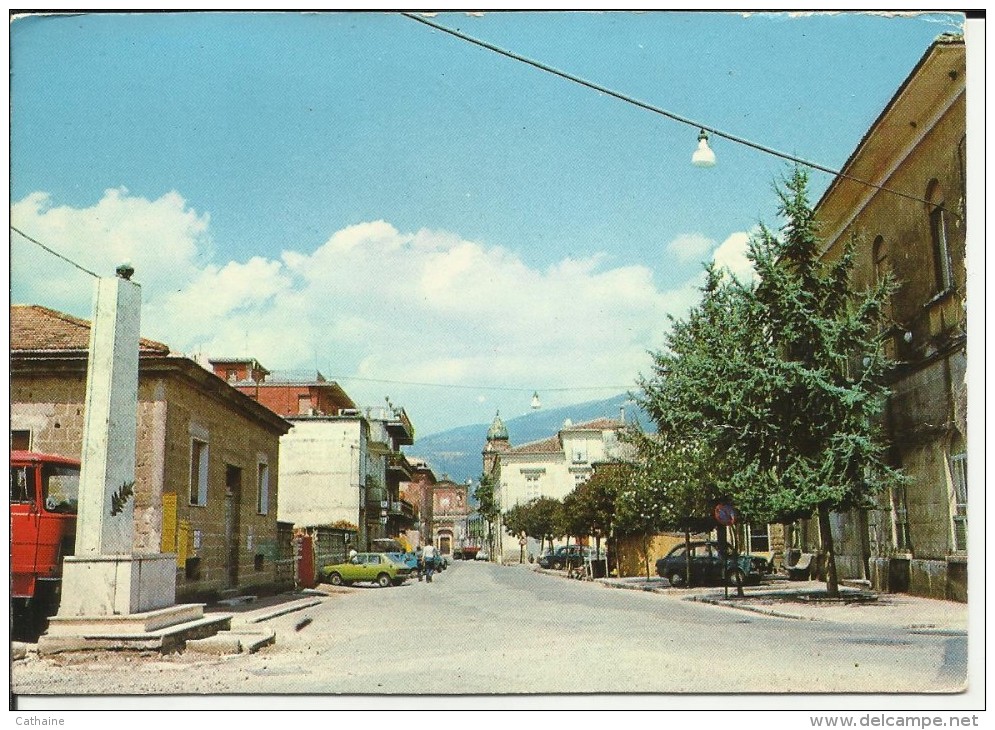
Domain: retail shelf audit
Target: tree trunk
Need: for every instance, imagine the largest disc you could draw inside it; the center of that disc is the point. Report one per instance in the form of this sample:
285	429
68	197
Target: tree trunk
687	557
646	554
826	533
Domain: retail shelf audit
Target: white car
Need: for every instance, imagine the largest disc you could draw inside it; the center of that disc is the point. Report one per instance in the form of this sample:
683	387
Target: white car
482	555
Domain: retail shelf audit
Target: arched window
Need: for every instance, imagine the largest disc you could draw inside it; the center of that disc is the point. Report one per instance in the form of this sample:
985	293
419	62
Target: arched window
942	264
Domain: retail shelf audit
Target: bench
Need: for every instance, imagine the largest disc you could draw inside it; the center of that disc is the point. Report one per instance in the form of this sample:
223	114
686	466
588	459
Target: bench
802	568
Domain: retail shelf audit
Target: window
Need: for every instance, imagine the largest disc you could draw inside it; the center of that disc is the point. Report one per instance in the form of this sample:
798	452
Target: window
304	405
22	484
942	264
958	474
198	472
759	539
262	489
900	519
60	488
20	440
532	487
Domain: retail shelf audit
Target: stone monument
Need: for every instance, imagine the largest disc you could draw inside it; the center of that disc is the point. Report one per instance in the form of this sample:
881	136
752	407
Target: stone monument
111	596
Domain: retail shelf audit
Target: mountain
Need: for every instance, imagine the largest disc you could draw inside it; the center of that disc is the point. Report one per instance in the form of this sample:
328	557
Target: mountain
456	454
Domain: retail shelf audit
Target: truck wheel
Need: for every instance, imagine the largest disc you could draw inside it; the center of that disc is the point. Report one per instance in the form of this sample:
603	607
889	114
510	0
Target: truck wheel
736	578
383	580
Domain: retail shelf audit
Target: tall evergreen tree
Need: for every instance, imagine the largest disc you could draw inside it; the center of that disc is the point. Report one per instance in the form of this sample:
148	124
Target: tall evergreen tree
775	388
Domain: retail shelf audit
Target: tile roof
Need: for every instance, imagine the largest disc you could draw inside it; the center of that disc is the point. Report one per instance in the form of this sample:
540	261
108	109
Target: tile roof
598	424
34	328
546	446
552	444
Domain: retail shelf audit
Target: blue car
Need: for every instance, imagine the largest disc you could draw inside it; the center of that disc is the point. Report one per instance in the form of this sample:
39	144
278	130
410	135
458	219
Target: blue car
393	549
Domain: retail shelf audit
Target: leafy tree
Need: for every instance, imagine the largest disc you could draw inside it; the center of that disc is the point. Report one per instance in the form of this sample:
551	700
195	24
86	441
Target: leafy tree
676	478
772	391
487	506
817	398
539	518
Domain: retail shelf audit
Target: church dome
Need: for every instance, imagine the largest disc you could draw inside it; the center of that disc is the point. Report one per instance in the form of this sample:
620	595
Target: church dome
497	431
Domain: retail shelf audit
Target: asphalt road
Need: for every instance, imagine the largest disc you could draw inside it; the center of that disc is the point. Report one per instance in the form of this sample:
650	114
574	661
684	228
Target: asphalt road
483	629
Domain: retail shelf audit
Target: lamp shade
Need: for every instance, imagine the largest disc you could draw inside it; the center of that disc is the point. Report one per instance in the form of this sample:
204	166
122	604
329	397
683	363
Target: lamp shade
703	156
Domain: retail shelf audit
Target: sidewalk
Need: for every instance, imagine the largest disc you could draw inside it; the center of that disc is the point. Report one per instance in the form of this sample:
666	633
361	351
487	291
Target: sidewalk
805	600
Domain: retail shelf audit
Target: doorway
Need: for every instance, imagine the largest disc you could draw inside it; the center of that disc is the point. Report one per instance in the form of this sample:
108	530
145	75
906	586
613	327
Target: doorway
233	508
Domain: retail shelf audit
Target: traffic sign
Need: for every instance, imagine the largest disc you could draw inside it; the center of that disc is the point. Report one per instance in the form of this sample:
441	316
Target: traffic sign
725	514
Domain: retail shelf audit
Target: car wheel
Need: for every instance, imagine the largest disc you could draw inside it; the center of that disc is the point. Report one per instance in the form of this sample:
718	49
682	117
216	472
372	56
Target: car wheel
556	565
677	579
335	579
383	580
736	578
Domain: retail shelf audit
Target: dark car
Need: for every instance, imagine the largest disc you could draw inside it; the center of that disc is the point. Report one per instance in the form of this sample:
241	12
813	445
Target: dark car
568	556
708	566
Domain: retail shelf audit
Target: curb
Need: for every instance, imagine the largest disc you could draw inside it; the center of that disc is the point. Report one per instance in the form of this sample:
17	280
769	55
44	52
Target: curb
751	609
270	613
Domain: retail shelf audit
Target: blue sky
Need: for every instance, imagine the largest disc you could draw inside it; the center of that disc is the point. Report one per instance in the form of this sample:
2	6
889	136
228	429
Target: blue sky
361	194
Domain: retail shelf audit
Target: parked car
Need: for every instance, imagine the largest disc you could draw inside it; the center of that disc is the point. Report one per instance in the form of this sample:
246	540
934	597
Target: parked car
395	550
568	556
377	568
707	566
482	555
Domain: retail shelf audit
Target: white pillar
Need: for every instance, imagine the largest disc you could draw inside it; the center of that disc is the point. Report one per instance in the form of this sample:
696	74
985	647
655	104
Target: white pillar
105	577
105	521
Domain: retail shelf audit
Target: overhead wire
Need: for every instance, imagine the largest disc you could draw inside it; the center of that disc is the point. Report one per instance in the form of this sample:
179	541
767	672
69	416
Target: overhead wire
478	387
53	252
663	112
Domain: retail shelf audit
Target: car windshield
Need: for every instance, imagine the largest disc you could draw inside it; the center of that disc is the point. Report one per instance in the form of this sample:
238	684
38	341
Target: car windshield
60	488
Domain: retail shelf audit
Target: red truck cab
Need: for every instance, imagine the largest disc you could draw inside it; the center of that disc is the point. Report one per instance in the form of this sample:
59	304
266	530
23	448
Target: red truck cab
44	491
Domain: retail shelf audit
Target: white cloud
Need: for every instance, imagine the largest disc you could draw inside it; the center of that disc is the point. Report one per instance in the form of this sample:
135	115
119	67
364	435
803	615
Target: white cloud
371	302
731	255
691	247
164	239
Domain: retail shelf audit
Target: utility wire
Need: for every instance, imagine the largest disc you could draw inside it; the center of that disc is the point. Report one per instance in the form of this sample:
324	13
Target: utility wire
663	112
479	387
53	252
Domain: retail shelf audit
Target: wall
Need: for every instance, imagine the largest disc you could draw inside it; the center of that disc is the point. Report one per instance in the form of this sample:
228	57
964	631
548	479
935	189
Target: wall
51	406
200	531
322	468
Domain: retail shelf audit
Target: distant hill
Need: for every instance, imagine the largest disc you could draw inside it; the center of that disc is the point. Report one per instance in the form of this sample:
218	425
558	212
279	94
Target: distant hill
456	453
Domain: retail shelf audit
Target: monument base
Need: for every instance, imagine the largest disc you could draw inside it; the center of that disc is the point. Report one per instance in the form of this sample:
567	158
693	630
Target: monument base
164	630
117	585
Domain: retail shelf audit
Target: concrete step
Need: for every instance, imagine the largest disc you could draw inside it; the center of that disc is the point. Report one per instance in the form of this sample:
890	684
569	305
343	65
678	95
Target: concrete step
233	642
164	640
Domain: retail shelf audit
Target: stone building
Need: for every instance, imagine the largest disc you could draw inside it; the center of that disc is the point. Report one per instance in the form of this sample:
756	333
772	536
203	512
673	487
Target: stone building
450	510
207	457
916	538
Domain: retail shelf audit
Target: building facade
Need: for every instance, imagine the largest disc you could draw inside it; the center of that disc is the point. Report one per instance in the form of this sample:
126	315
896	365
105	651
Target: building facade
450	510
916	538
207	457
341	467
551	467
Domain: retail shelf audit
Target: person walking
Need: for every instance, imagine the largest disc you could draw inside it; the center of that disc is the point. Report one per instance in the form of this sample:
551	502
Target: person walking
428	555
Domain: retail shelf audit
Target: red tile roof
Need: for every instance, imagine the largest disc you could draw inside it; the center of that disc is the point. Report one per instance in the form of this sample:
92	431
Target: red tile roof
34	328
